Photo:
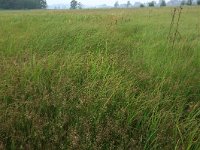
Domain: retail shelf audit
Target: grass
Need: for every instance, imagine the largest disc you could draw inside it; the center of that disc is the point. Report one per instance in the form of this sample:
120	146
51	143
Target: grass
99	79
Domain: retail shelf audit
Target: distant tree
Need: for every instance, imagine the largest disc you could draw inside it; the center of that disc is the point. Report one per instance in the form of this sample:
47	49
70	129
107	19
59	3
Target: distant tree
23	4
128	4
163	3
198	2
73	4
189	2
183	2
151	4
79	5
116	5
141	5
43	3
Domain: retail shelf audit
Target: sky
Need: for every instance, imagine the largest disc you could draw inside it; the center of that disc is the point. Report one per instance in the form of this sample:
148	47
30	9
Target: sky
92	2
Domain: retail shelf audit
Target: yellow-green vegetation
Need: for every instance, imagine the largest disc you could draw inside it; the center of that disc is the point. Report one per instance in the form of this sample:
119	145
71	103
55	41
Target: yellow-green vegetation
100	79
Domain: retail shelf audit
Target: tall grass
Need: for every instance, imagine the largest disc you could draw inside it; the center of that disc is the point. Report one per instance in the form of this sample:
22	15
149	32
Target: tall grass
99	79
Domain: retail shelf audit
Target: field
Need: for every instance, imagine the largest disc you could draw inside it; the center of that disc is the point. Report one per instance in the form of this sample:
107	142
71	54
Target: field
100	79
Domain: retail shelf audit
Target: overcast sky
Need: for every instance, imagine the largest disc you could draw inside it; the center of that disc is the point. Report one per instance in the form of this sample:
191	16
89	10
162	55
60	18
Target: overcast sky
92	2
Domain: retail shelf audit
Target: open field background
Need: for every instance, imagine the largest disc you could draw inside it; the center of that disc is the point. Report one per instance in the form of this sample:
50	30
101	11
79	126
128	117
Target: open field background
99	79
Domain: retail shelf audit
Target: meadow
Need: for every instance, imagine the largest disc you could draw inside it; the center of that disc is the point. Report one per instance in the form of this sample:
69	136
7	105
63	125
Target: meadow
100	79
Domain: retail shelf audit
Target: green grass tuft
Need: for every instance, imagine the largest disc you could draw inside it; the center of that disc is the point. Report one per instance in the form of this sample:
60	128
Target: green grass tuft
99	79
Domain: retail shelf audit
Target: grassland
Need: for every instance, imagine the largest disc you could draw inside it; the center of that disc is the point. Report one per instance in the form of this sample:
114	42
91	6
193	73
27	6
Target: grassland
100	79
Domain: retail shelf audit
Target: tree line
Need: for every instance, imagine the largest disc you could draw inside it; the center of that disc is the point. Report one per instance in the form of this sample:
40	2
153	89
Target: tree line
189	2
150	4
153	3
23	4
